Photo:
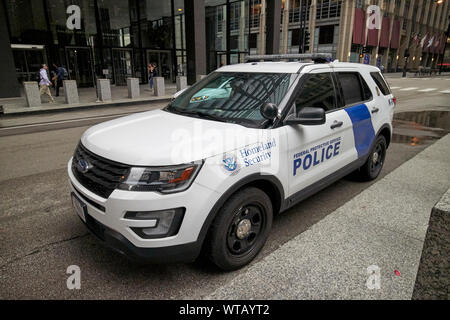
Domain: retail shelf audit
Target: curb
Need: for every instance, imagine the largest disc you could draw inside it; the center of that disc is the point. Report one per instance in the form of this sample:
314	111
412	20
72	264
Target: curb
55	125
92	105
432	280
411	75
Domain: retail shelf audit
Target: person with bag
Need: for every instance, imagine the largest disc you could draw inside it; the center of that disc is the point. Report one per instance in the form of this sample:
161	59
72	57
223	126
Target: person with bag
60	75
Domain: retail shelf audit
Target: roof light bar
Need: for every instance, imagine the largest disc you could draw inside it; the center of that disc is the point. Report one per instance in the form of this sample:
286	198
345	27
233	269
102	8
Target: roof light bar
316	57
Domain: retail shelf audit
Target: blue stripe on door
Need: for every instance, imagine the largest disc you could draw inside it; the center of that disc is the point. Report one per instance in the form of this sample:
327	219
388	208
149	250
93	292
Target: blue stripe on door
362	128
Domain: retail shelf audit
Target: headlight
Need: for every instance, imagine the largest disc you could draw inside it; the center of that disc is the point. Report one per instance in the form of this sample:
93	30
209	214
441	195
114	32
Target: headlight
162	179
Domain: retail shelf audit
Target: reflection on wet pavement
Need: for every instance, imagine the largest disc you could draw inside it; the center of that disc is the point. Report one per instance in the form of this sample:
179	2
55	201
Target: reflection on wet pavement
420	128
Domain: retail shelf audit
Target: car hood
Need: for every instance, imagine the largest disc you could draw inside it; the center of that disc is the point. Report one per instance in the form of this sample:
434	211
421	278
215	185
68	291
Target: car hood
159	138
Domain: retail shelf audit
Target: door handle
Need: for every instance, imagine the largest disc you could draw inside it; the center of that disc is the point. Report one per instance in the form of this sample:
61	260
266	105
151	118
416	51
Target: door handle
374	110
336	124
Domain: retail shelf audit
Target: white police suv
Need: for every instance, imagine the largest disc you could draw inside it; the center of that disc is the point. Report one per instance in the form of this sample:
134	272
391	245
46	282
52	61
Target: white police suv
206	174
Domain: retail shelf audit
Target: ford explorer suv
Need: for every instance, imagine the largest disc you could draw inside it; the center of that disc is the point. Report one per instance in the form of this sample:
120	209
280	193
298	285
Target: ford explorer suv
205	175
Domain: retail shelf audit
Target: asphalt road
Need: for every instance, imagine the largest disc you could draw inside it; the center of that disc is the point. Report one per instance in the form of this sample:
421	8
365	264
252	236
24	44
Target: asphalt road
40	236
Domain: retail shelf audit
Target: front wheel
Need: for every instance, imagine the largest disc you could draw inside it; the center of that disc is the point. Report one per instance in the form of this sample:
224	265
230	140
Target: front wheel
372	167
240	230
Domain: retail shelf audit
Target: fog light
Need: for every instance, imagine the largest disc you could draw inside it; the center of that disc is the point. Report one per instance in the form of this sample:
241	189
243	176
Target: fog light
168	222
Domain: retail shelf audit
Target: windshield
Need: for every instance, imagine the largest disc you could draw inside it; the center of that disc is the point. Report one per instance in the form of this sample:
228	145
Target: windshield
233	96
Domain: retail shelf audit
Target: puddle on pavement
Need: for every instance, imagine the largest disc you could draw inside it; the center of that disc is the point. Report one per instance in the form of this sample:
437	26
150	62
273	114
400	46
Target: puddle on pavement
420	128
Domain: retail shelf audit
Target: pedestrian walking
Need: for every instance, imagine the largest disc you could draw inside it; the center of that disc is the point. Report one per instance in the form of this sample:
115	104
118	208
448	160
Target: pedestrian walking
155	70
60	74
151	73
45	83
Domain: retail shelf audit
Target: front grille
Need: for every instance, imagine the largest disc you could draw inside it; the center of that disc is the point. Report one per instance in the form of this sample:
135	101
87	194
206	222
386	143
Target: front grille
103	176
92	203
96	227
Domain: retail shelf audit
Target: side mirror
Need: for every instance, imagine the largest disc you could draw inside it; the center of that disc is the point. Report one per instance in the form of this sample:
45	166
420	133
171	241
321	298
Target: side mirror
307	116
176	94
269	110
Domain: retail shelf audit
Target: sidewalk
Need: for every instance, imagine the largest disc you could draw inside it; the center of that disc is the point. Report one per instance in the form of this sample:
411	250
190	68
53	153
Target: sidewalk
87	97
413	75
385	225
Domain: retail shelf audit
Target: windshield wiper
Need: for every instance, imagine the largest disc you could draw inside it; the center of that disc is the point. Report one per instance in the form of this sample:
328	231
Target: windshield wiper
199	114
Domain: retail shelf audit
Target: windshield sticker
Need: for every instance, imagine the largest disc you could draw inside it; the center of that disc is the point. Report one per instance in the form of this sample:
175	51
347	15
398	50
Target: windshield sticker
313	156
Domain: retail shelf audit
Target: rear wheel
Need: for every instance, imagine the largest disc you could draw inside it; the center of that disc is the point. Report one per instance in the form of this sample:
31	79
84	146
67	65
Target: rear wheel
240	230
372	168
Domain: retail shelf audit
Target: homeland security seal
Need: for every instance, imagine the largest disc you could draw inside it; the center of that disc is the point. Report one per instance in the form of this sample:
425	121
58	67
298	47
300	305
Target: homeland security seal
230	164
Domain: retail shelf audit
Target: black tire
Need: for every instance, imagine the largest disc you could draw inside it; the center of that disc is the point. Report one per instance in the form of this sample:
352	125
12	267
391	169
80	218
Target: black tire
225	247
372	167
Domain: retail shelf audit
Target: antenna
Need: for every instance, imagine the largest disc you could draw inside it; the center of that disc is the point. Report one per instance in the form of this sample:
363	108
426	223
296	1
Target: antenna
315	57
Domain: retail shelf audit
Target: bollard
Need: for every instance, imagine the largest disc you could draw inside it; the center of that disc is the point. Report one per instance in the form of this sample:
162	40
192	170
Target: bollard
70	91
159	89
103	90
200	77
181	83
133	88
32	93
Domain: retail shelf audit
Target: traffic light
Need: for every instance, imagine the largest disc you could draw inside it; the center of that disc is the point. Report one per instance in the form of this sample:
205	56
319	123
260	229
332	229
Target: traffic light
306	39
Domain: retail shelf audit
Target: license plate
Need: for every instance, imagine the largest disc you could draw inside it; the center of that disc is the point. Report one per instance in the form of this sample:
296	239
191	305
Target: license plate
80	207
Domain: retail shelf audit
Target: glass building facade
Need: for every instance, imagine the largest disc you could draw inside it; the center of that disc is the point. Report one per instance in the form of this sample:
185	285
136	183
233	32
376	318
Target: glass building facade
119	38
227	28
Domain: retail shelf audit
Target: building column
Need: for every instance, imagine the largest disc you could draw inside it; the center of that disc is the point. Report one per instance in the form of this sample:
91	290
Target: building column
9	86
262	29
418	52
442	25
408	39
376	50
345	30
415	52
285	27
273	26
312	24
224	30
409	35
385	57
195	38
242	23
394	61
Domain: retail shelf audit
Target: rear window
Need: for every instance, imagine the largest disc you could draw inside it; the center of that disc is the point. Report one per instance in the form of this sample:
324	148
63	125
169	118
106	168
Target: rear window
379	80
354	88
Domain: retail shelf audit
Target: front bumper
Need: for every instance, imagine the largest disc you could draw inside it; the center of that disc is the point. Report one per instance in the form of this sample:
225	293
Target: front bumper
105	218
117	242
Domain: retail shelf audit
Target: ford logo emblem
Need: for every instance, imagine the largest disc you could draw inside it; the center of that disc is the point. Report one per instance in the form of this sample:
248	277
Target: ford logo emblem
83	165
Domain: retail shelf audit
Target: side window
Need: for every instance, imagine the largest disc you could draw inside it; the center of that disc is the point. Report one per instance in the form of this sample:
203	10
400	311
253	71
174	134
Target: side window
366	90
381	83
351	87
318	91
